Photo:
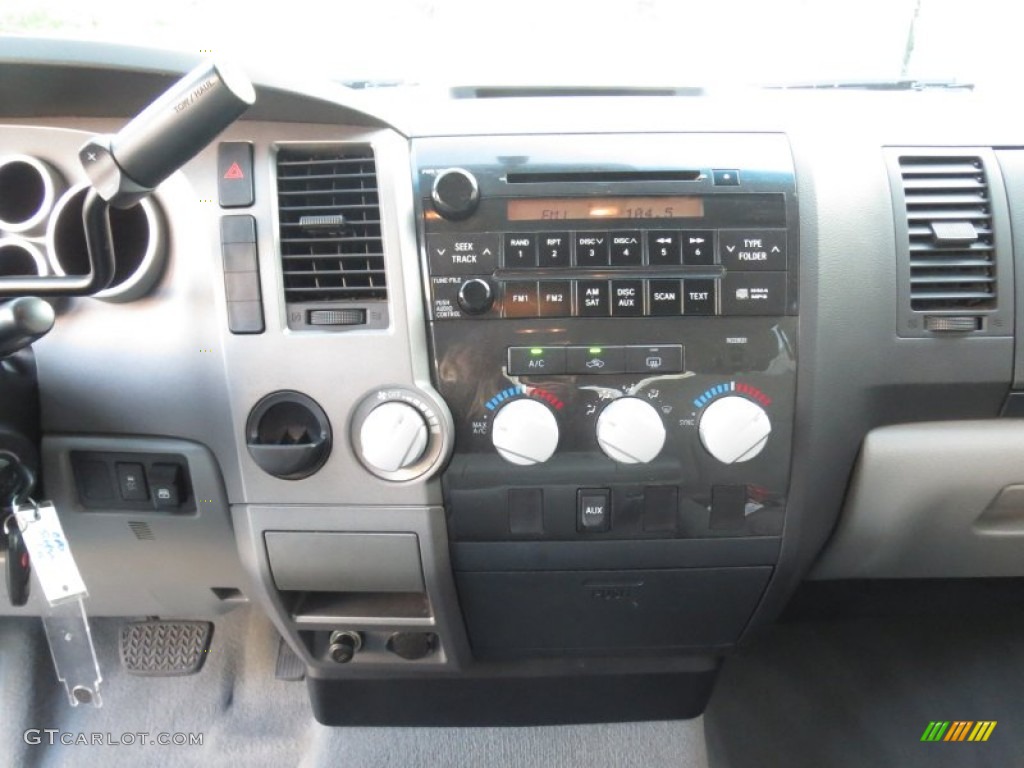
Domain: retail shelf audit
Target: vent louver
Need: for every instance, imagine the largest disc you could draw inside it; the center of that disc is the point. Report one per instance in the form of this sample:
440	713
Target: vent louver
949	220
329	216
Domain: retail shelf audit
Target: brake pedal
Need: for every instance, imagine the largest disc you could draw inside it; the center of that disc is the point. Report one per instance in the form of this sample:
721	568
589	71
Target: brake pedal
165	648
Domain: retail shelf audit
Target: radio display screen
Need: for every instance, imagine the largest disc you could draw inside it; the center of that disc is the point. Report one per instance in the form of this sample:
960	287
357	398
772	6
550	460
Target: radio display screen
591	208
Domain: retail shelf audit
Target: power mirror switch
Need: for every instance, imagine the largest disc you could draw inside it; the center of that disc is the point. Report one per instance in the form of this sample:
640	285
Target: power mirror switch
131	482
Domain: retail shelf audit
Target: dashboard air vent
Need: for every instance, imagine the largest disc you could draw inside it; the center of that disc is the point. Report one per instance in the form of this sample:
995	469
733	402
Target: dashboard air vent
329	216
949	223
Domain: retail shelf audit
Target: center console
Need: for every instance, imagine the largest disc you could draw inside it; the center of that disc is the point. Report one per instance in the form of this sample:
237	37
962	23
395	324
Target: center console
613	323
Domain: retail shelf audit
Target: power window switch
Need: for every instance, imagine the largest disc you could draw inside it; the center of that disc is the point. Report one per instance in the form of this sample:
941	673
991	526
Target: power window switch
165	481
131	482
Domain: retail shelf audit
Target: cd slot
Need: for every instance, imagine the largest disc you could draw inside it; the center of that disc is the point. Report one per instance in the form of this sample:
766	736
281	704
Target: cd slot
583	177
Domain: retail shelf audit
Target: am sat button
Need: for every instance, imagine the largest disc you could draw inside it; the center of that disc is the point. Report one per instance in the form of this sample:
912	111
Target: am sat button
592	298
661	359
537	361
595	359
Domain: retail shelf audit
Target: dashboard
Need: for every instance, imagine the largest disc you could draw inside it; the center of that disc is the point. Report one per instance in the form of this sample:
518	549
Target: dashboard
513	406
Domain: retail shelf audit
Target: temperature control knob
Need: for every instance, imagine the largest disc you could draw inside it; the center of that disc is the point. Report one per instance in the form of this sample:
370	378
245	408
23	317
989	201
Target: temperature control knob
525	432
630	431
734	429
394	435
455	194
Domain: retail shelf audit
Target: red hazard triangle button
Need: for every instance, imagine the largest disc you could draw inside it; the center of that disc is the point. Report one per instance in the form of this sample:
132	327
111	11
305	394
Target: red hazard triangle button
234	161
234	172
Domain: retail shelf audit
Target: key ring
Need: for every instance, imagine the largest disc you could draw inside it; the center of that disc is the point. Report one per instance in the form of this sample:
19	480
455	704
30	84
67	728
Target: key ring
13	516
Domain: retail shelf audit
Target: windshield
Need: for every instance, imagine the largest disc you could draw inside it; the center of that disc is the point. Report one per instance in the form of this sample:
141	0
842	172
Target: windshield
634	42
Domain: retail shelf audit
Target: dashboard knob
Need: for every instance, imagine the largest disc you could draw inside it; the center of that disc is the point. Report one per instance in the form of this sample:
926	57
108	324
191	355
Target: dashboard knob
394	435
476	296
630	431
455	193
734	429
525	432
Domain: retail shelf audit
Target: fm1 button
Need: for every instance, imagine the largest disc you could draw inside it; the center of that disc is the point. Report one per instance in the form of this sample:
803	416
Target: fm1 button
524	361
520	300
593	510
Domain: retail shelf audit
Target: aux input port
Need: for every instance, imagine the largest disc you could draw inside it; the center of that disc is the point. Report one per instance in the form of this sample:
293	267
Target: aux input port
139	244
20	258
28	189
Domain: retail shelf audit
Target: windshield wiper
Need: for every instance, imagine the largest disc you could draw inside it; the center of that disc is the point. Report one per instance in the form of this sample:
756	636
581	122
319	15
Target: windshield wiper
873	85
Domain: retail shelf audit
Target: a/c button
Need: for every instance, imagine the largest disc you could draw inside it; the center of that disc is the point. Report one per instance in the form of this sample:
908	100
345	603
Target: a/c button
536	361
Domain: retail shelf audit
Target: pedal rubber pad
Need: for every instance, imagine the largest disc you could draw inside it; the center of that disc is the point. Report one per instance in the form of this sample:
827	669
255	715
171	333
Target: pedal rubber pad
165	648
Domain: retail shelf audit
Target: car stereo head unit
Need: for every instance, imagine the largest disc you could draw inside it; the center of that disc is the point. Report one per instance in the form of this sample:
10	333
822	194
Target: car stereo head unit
613	326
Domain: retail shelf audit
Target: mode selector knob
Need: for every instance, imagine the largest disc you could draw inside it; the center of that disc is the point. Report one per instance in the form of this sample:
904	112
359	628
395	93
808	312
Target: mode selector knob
734	429
630	431
476	296
525	432
393	436
455	193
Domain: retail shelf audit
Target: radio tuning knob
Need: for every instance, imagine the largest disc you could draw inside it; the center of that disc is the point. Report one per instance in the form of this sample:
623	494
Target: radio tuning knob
393	436
630	431
525	432
734	429
476	296
455	193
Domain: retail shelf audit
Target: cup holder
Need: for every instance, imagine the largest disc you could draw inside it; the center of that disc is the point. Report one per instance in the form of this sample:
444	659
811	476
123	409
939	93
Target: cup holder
288	435
28	189
138	235
20	258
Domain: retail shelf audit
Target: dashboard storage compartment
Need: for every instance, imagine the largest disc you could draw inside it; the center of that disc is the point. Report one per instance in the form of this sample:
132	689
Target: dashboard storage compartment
546	613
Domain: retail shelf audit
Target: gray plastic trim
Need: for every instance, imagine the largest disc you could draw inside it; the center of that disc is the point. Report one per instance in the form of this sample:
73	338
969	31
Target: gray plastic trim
1011	164
345	562
144	563
922	504
428	526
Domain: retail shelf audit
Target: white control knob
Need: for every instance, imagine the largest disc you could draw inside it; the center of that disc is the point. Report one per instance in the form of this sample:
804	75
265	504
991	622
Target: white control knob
394	435
734	429
630	431
525	432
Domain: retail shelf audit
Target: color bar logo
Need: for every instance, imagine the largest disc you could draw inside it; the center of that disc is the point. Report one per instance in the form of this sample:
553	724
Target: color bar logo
958	730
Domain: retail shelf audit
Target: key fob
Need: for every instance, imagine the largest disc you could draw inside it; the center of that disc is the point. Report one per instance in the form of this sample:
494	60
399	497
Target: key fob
18	568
